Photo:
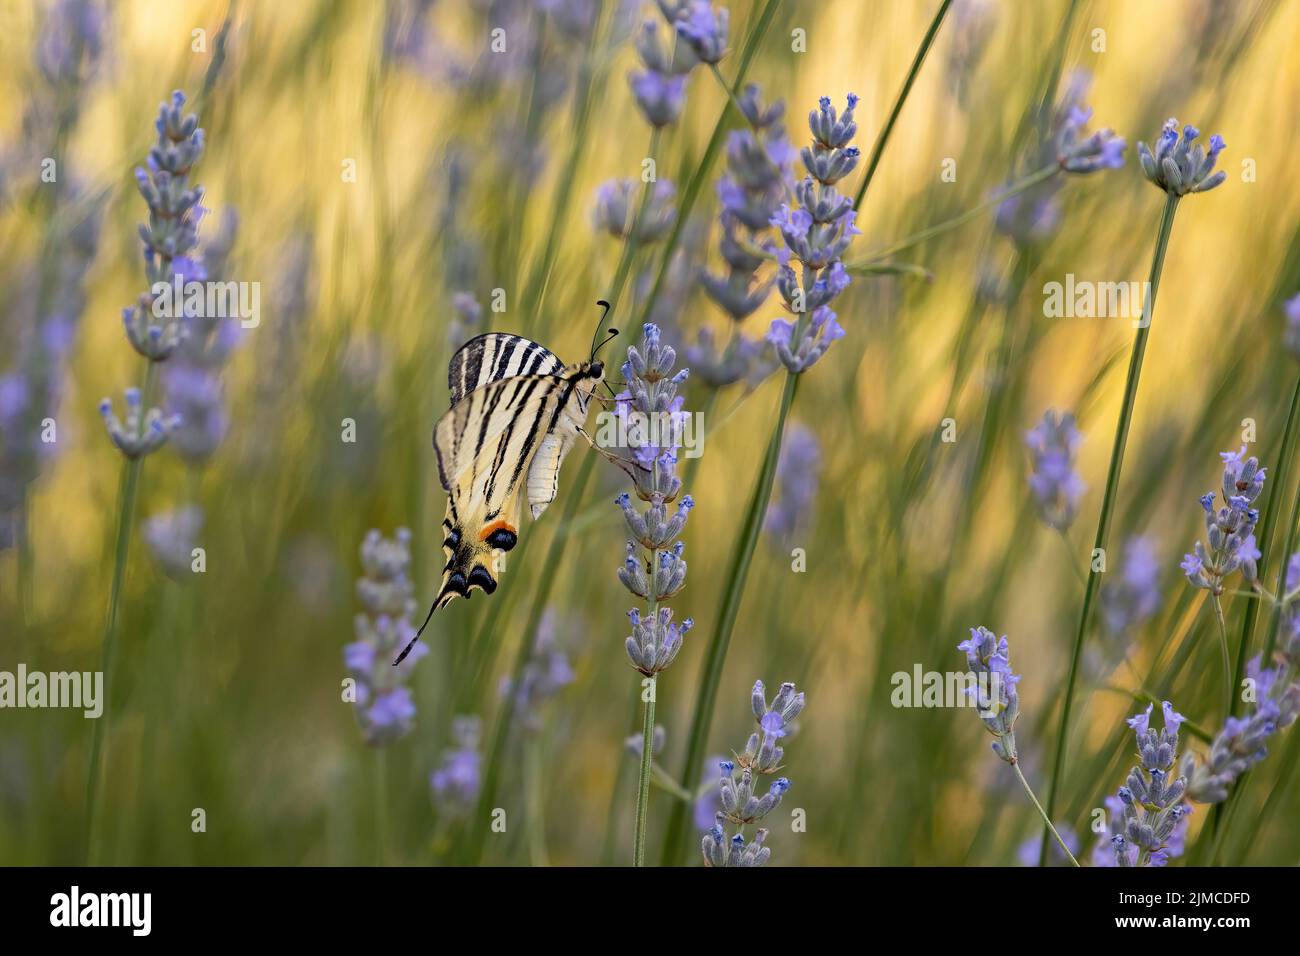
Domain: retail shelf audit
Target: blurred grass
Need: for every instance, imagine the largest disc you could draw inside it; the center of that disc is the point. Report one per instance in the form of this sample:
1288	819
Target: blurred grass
226	694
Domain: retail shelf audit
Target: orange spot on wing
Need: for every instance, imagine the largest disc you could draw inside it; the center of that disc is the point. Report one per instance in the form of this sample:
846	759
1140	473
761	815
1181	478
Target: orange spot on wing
497	526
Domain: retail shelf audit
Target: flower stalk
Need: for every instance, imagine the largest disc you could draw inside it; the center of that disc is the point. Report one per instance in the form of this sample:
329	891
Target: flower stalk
1109	499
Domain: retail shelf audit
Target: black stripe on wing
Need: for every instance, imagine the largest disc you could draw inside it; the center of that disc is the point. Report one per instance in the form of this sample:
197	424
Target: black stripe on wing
480	433
493	356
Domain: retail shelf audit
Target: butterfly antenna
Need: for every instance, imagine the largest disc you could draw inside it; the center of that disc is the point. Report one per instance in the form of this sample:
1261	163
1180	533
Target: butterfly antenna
599	325
411	643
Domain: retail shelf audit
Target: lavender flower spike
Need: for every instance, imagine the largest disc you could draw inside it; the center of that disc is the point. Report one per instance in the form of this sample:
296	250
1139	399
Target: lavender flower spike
705	29
817	232
1243	742
655	569
171	537
141	433
455	784
1291	335
547	672
1179	167
615	213
192	379
742	802
1229	529
1127	602
994	689
750	191
1153	817
1078	153
796	480
1054	444
384	707
172	231
660	88
652	428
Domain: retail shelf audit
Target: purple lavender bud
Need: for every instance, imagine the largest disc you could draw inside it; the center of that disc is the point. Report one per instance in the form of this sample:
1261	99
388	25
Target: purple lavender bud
383	705
994	688
1146	819
1291	334
455	784
705	30
546	673
1080	153
1181	166
659	96
1053	446
796	481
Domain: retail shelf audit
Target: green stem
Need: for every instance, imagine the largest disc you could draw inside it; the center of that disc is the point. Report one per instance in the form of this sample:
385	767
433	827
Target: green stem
533	803
1220	830
610	841
1029	182
711	676
554	559
127	494
731	93
537	283
1280	791
643	780
648	723
696	183
879	148
633	242
1108	501
26	617
1043	813
1073	560
381	806
1224	655
125	514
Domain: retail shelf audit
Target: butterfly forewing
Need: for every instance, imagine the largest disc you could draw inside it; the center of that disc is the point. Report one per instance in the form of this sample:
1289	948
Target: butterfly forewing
494	356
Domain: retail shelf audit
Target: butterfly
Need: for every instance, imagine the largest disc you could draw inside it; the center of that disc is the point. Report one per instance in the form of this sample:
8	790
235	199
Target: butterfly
516	411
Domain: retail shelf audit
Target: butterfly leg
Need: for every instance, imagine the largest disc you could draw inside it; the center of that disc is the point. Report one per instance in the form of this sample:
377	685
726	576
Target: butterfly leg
621	463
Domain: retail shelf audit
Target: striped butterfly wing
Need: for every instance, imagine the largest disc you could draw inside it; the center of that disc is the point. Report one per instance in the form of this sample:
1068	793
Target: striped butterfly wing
496	355
484	446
